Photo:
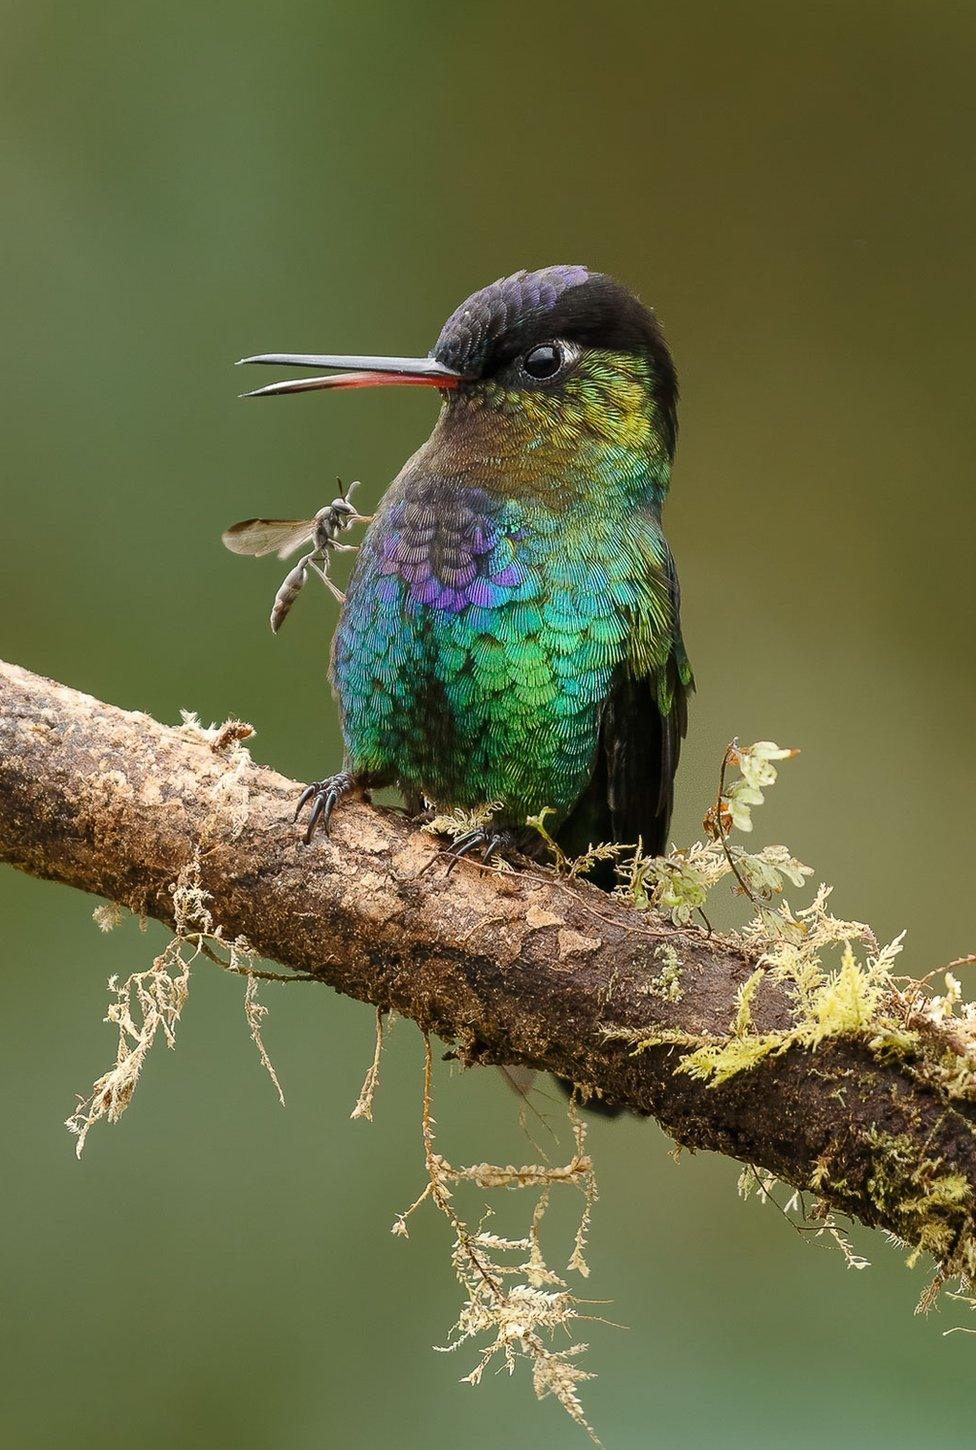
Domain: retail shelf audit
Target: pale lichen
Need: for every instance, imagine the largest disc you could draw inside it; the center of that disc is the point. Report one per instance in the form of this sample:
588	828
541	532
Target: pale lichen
148	1004
816	1222
459	822
518	1319
364	1103
666	984
107	916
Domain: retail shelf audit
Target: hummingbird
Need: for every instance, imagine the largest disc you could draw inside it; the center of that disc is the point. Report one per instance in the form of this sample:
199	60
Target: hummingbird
510	639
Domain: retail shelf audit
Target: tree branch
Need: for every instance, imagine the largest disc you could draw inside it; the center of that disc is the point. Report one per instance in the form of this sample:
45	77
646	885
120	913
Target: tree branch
515	969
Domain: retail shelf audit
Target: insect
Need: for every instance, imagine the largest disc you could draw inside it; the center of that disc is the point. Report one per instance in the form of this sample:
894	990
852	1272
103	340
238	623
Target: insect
258	537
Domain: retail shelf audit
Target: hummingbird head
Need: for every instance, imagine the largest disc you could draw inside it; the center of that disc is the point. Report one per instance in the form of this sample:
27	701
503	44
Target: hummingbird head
564	354
572	349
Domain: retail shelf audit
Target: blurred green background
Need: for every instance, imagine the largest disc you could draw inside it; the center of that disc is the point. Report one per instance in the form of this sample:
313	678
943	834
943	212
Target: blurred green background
792	187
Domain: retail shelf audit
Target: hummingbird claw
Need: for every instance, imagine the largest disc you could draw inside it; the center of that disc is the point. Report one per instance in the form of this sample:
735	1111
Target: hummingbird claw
318	809
490	842
325	795
305	797
461	847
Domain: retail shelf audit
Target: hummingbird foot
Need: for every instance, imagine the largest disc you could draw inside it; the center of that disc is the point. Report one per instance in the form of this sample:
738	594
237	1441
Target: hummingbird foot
485	840
324	796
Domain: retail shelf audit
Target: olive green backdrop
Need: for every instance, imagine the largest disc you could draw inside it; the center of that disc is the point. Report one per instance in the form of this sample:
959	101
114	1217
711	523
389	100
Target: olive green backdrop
792	187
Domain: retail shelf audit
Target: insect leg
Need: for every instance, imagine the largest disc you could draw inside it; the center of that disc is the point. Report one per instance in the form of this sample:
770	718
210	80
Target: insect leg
321	569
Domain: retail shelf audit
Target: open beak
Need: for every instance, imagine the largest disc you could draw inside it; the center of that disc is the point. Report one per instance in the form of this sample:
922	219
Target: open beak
363	372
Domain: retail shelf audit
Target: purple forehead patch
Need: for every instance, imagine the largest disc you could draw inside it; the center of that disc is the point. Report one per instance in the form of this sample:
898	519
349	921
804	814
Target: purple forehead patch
467	333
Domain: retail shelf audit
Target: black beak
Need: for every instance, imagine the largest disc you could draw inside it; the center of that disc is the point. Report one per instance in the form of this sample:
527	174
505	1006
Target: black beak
363	372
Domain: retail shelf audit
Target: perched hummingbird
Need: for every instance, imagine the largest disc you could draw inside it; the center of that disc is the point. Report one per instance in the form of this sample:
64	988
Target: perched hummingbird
510	635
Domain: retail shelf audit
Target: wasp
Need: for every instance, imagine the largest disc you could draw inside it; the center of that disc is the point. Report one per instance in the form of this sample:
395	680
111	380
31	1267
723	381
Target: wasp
258	537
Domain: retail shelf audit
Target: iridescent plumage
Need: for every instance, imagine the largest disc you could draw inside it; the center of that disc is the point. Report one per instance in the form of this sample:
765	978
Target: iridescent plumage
511	630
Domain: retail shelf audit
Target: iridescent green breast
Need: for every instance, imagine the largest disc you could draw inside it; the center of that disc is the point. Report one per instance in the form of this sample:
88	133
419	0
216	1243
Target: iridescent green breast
482	636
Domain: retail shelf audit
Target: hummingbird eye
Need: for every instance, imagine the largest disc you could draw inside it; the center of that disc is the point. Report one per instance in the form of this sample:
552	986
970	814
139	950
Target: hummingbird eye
543	362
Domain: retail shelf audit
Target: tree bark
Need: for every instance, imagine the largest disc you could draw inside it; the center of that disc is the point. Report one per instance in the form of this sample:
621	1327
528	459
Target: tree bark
520	968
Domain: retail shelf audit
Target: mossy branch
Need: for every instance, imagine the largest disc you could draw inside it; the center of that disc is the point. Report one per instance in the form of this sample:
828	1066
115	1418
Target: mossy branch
854	1088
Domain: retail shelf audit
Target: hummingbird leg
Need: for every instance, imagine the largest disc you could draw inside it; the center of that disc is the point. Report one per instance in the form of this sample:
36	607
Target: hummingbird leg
415	806
324	795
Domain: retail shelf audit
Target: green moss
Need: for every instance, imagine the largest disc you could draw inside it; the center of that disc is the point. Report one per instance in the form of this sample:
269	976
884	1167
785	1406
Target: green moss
892	1157
840	985
931	1208
716	1062
837	1004
950	1191
894	1044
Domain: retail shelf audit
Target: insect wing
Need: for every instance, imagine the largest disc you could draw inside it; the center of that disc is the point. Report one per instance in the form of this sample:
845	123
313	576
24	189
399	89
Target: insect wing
258	537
